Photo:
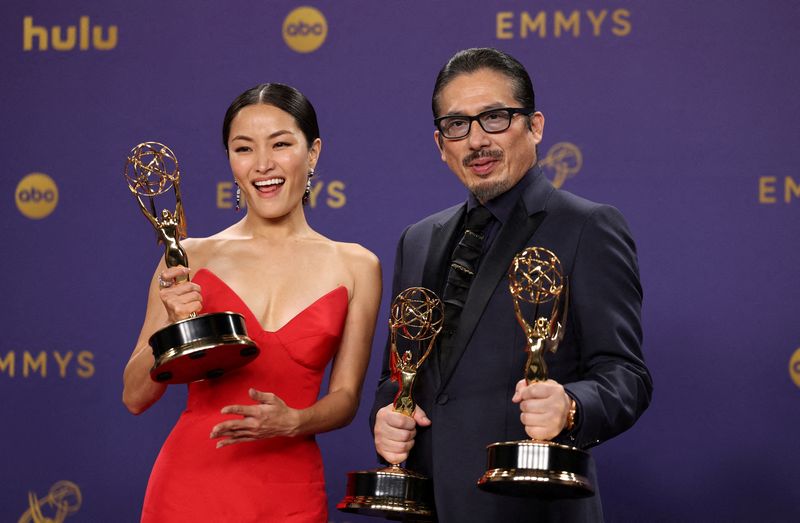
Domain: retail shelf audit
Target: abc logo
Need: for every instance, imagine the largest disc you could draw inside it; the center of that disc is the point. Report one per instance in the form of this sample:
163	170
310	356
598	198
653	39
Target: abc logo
36	196
794	367
305	29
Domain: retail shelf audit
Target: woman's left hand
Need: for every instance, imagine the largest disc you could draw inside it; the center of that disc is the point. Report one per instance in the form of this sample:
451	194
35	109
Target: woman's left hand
269	418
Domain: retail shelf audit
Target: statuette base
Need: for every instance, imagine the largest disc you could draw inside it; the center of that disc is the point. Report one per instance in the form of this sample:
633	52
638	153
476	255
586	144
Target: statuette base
391	493
536	469
204	347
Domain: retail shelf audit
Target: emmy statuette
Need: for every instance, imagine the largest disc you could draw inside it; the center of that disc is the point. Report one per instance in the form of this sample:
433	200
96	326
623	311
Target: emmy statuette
534	467
199	347
394	492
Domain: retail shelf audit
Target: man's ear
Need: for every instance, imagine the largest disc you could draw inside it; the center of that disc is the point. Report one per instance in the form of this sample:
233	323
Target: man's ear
437	137
537	126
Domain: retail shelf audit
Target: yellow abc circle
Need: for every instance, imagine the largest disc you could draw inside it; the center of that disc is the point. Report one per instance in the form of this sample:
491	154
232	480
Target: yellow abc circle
794	367
305	29
36	196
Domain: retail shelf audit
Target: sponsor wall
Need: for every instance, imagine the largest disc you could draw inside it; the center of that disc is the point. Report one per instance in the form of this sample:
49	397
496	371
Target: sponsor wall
681	114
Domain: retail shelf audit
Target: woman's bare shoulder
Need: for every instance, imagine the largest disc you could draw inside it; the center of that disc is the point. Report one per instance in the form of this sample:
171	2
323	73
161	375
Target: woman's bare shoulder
356	252
201	250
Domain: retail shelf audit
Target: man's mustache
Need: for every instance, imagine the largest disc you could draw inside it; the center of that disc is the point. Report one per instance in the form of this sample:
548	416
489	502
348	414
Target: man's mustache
483	153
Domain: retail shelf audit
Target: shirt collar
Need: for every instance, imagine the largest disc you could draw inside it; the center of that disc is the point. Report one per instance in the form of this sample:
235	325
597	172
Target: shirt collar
502	205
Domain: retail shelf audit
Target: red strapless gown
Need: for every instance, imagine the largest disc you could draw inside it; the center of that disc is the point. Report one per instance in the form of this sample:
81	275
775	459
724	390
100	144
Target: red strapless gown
271	480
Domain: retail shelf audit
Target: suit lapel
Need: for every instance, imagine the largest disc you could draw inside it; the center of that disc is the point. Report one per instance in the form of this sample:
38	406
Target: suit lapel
526	217
438	259
433	275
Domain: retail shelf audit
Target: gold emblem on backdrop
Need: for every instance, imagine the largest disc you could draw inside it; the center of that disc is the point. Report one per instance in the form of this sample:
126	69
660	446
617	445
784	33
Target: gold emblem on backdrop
305	29
82	36
563	160
36	196
794	367
63	500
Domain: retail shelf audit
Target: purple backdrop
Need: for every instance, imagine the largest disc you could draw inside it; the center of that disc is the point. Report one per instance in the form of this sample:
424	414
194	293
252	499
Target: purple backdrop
685	115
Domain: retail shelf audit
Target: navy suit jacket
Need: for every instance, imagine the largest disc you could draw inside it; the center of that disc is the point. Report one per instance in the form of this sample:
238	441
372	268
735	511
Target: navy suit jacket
599	361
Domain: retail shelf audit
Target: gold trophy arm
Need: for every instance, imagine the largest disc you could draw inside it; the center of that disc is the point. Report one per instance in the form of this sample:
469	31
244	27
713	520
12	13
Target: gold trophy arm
144	210
521	319
535	344
558	321
403	402
405	374
427	350
169	234
180	215
535	366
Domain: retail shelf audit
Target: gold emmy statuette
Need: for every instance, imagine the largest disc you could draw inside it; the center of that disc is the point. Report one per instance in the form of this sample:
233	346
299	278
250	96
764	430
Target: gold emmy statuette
199	347
394	492
533	467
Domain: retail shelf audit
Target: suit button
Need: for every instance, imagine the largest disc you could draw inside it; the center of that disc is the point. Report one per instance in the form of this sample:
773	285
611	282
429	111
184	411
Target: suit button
442	399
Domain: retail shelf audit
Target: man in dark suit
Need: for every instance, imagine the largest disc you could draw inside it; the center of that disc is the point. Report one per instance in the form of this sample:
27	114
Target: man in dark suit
469	394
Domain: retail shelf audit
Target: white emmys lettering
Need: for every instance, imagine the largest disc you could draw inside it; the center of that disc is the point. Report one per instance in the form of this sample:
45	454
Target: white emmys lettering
68	39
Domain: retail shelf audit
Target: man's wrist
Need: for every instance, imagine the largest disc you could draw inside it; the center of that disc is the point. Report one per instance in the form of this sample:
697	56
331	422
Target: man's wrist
572	414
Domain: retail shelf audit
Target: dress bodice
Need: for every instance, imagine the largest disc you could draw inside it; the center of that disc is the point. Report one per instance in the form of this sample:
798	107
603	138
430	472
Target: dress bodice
293	358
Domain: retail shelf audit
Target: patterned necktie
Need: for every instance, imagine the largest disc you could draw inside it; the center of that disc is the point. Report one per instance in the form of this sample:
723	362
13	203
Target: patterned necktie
463	266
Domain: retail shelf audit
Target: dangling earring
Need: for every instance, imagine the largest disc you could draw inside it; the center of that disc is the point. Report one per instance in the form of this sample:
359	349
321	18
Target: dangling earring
307	194
238	196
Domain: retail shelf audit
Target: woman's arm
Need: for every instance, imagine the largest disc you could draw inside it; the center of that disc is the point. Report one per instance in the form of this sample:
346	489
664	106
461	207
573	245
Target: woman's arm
164	306
339	406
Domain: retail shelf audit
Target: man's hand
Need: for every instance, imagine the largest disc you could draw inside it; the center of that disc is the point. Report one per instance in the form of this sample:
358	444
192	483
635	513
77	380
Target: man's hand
544	406
395	432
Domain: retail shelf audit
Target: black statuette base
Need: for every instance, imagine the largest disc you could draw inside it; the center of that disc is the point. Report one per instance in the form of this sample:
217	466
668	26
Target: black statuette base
203	347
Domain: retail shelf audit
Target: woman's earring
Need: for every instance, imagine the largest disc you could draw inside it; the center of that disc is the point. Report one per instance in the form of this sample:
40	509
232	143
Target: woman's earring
307	194
238	197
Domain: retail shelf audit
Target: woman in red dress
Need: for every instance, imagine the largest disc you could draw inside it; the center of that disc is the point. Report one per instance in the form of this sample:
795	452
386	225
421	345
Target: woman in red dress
244	448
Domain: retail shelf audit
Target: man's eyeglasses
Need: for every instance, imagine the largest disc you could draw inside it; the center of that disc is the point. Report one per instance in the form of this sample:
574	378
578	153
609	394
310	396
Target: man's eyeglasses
491	121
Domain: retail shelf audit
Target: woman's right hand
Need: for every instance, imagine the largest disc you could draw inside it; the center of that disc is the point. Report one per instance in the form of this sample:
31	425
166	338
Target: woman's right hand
180	297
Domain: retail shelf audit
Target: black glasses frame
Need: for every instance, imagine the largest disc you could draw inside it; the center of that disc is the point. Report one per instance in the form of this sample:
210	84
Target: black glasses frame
510	110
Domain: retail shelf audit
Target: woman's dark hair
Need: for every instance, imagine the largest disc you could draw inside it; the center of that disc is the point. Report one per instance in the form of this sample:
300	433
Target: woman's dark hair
285	98
471	60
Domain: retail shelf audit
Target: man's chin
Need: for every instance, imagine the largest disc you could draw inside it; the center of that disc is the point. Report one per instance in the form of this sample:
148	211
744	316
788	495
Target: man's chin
489	190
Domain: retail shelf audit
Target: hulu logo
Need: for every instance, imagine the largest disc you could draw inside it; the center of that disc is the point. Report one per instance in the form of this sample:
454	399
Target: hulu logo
82	35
